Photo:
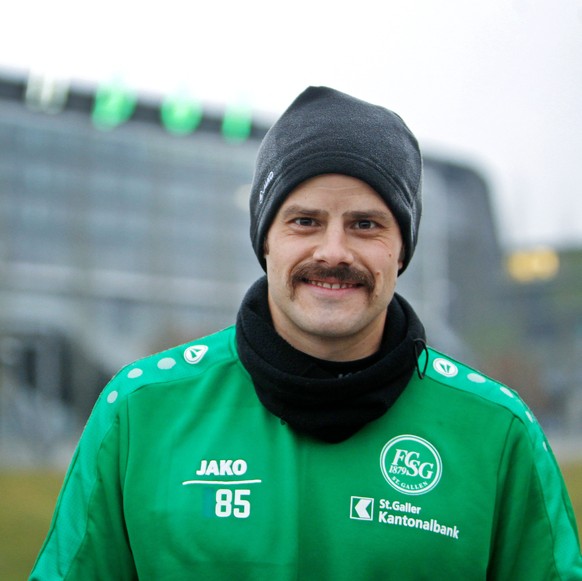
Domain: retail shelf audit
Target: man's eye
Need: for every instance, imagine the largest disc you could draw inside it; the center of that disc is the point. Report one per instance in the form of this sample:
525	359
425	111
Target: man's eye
365	224
304	221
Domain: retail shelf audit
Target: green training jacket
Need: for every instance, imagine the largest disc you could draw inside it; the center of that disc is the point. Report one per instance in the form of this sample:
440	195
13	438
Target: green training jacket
182	474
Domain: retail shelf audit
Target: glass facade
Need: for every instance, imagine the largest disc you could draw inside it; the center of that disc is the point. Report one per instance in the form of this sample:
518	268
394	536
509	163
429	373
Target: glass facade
125	241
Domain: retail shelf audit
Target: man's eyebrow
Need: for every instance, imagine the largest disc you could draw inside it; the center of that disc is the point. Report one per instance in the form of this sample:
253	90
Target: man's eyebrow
295	210
370	215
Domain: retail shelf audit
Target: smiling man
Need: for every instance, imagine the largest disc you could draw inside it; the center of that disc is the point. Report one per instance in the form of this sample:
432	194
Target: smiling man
333	254
319	438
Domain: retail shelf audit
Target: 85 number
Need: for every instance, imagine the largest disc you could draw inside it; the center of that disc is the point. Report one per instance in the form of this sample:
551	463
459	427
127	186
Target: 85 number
232	503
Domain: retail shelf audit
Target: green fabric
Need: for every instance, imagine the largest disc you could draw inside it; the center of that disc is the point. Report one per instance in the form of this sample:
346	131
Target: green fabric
181	473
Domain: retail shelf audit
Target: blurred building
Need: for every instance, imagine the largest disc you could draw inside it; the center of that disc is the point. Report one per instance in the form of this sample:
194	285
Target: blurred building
546	299
124	230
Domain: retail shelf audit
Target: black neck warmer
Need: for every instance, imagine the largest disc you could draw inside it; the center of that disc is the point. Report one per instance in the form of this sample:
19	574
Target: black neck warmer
327	400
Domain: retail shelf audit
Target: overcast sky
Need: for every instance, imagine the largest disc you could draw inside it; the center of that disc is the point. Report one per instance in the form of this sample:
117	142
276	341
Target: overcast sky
497	83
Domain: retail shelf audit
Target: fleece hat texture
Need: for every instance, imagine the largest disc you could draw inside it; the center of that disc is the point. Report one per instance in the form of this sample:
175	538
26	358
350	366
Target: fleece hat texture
325	131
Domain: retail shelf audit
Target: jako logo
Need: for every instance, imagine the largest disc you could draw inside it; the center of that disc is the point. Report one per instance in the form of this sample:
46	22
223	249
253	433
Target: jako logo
222	468
445	367
195	353
411	465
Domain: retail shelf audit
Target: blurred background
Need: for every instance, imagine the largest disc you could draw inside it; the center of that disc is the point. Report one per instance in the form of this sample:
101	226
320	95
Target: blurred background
128	135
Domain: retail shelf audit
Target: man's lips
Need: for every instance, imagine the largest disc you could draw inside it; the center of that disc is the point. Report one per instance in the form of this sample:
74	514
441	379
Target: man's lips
337	278
332	285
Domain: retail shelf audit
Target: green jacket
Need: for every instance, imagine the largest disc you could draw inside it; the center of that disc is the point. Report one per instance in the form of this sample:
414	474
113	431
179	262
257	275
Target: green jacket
181	473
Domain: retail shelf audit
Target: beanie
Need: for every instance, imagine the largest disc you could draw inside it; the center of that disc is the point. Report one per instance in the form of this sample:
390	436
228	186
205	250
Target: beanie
325	131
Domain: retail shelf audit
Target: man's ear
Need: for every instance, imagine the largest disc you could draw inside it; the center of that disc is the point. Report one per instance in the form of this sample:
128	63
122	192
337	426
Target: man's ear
401	257
265	247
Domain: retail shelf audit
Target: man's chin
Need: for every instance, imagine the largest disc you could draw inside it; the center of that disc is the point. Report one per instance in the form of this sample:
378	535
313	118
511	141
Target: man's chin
333	322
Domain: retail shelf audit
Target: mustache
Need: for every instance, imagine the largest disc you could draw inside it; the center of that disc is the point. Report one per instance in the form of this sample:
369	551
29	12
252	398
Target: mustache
345	274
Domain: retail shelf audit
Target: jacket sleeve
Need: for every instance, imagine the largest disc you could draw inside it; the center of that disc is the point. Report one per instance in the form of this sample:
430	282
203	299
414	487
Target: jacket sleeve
87	539
535	537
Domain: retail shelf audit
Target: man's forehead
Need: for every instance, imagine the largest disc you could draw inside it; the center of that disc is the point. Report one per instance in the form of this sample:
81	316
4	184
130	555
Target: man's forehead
333	181
335	191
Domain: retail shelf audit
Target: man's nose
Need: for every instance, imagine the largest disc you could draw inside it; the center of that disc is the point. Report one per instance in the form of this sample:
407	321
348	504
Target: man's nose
333	247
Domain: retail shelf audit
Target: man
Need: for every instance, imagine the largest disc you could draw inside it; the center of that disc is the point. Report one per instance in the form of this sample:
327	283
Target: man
319	438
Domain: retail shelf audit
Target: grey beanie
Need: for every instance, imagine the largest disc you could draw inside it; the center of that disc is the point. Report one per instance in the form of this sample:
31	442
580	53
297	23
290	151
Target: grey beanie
324	131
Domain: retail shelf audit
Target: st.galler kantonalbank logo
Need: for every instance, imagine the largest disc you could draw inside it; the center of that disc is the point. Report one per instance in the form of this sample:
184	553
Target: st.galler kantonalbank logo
411	464
361	508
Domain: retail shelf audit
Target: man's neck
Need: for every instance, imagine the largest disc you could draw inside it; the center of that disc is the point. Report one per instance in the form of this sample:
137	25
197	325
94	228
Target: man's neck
338	349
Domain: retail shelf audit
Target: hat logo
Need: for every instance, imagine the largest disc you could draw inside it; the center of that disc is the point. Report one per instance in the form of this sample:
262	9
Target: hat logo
265	186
